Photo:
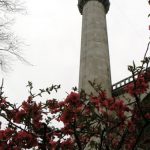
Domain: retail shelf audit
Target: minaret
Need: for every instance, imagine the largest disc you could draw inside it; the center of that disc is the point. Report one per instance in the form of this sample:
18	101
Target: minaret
94	57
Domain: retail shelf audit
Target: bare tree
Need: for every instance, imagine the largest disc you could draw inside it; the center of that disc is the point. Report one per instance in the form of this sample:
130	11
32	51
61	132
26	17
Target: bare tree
9	43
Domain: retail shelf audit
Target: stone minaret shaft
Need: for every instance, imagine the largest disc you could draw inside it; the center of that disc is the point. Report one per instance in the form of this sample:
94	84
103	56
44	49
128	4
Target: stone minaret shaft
94	57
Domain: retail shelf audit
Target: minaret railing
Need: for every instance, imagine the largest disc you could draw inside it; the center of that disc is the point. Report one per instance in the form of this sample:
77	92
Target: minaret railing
124	82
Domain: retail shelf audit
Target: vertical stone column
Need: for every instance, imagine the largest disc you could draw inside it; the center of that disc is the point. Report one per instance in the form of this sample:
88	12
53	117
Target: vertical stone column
94	57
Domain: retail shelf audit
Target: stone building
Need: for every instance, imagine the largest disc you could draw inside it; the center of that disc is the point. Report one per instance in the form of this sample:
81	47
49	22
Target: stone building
94	45
94	56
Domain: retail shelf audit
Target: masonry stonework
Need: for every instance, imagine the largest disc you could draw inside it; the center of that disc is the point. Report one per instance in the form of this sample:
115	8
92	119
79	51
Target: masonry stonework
94	57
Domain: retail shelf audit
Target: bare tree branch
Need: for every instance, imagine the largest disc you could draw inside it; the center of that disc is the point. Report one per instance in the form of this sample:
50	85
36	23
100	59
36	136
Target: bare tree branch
10	46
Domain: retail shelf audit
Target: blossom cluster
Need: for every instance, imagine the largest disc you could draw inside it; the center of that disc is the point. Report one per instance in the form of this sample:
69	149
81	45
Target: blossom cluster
114	123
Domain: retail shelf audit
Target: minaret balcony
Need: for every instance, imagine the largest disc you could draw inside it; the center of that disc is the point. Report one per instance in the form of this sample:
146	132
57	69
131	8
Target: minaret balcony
81	4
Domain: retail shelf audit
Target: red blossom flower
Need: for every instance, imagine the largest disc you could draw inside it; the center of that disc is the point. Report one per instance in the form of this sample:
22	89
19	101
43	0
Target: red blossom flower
53	144
68	116
147	116
95	101
25	140
6	134
18	117
3	103
67	144
73	100
131	126
53	105
140	86
26	106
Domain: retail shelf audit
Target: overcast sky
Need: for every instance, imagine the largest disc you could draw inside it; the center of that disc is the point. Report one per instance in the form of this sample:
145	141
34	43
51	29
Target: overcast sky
52	31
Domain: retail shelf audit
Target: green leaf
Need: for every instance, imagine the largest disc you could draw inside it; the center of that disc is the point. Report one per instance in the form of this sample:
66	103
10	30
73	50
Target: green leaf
42	90
74	88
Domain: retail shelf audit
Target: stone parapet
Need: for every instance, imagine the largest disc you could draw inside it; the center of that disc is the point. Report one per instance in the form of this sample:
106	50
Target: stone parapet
81	4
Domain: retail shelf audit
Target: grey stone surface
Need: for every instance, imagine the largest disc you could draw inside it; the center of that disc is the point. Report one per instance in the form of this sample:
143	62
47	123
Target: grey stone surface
94	57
